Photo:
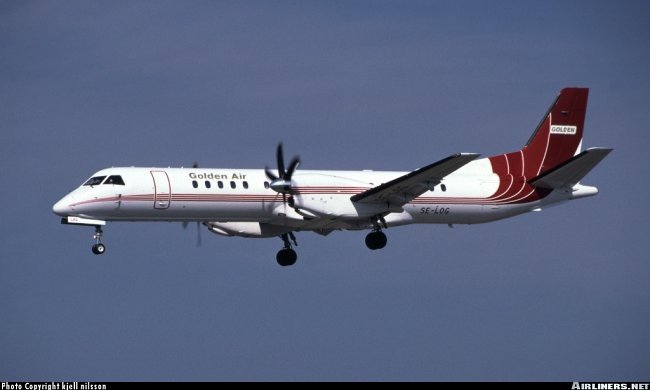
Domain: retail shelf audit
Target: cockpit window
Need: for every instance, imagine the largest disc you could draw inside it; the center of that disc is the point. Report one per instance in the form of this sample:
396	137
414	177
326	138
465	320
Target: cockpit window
115	179
94	181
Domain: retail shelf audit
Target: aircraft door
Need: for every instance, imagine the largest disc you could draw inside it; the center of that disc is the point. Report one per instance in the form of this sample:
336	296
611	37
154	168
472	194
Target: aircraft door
162	190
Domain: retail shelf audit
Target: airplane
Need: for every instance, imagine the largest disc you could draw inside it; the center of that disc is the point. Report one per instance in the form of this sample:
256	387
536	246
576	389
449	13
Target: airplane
260	203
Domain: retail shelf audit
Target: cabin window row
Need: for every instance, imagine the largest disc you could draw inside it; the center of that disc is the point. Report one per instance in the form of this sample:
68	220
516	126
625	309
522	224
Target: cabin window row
220	184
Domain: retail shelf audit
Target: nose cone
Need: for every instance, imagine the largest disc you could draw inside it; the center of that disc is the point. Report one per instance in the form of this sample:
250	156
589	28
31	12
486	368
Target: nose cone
62	207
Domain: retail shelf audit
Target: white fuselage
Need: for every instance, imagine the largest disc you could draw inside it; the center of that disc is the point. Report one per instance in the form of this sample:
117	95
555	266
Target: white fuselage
458	189
229	198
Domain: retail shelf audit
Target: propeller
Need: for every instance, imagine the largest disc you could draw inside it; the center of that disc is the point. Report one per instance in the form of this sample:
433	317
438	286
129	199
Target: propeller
281	183
198	224
198	232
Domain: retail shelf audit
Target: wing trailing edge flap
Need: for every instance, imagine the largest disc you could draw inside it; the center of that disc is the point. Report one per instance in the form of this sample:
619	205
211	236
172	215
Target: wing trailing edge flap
408	187
570	172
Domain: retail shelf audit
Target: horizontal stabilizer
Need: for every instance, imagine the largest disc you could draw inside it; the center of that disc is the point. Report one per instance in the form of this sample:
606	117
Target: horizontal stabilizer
408	187
570	172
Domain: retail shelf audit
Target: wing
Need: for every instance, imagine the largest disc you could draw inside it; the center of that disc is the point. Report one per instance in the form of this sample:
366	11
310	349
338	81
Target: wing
408	187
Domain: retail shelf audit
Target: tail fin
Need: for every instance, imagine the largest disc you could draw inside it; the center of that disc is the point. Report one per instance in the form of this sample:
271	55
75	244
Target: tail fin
558	138
559	135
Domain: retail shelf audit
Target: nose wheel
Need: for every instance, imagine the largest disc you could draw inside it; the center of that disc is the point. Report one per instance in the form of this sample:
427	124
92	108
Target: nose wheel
98	248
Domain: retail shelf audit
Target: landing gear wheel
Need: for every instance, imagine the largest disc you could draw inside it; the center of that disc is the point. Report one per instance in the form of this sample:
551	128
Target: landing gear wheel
376	240
99	249
286	257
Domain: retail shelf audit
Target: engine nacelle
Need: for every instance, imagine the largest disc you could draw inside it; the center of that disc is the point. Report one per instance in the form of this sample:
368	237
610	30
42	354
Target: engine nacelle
246	229
328	196
335	206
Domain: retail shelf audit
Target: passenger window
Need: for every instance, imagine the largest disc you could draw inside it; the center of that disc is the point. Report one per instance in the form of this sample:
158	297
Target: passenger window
220	184
195	184
267	185
94	181
233	185
115	179
443	187
207	184
245	183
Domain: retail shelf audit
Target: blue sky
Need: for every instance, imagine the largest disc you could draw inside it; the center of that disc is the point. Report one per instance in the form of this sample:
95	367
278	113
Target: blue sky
557	295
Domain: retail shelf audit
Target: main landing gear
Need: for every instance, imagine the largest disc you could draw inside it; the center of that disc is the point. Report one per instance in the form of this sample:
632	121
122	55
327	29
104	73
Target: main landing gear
374	240
377	239
287	256
98	248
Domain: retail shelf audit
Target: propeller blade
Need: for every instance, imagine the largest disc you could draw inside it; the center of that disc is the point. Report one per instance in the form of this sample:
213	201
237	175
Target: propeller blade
270	174
198	231
292	167
280	158
282	181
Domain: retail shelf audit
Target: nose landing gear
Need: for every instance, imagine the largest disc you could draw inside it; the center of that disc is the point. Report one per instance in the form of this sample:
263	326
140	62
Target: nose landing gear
98	248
